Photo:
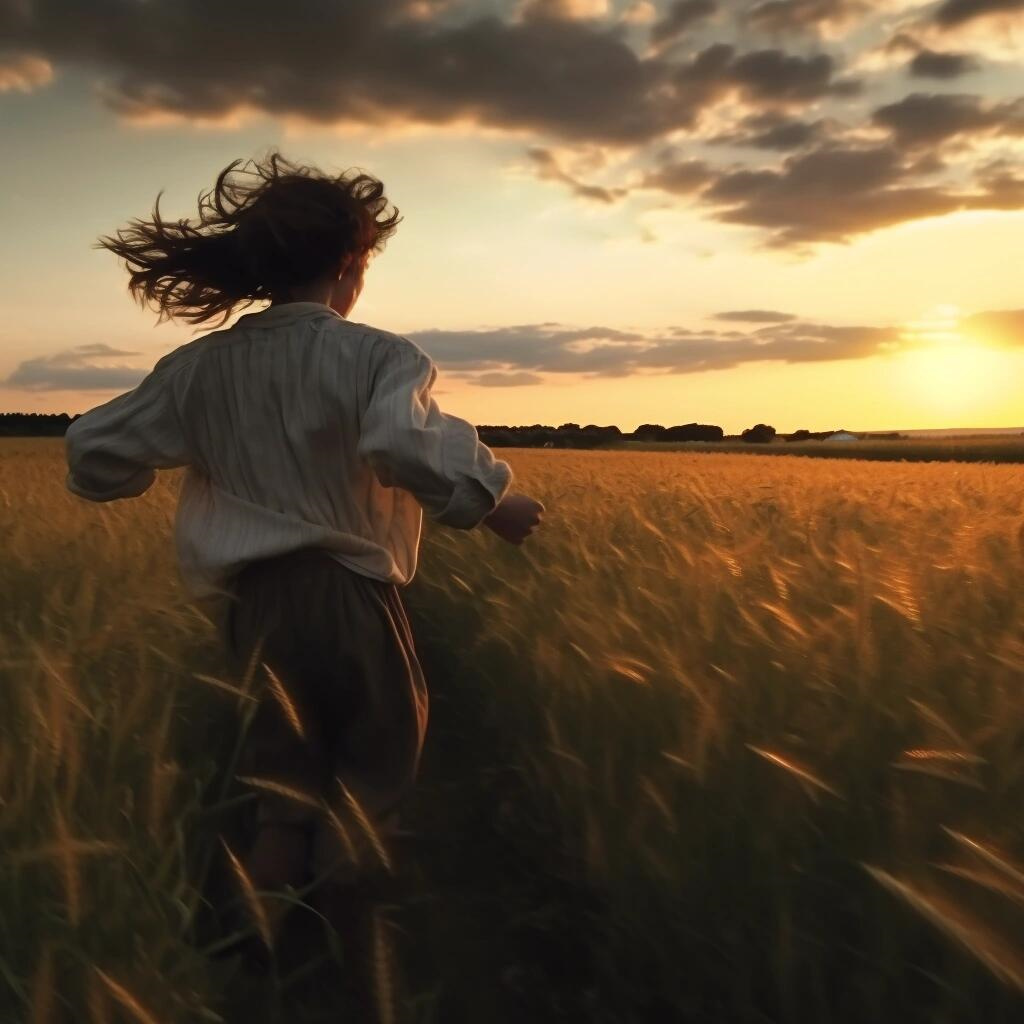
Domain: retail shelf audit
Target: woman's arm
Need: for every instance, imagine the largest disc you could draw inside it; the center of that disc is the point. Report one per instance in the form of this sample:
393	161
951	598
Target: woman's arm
114	449
412	444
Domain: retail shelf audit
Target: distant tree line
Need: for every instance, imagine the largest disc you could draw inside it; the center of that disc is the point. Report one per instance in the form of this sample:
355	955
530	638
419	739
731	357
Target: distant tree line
34	424
686	432
536	435
572	435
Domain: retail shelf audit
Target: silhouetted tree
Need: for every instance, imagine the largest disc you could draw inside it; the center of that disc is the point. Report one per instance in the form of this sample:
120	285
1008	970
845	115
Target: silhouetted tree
693	432
649	432
761	433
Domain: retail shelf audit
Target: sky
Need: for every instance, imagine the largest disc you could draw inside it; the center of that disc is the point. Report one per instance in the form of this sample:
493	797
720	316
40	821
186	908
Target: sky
808	213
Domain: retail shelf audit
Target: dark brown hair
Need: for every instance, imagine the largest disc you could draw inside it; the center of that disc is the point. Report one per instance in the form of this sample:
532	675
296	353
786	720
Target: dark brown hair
253	240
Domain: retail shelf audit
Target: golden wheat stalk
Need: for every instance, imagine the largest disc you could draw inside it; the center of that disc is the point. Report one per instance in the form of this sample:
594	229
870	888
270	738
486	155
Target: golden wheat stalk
126	999
629	668
955	756
1004	963
794	769
341	832
61	680
932	716
786	618
277	688
69	868
250	667
252	900
219	684
987	854
97	1000
938	771
364	824
986	879
383	969
566	755
677	760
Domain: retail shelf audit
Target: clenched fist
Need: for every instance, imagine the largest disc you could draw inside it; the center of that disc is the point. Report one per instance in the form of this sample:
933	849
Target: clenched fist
515	517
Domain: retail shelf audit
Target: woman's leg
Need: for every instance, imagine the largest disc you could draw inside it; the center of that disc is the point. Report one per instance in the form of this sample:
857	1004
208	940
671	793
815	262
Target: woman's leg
376	741
285	756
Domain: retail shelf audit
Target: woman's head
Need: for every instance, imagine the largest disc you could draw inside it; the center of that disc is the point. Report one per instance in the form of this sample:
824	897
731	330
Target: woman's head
286	227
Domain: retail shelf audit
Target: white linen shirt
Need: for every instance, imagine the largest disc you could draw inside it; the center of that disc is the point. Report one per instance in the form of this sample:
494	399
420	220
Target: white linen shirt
299	428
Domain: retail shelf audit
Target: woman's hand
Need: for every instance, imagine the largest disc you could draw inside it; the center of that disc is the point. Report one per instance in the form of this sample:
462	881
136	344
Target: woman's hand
515	517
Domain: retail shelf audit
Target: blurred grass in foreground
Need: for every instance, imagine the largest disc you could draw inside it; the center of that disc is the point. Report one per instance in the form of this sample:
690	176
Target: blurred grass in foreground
730	739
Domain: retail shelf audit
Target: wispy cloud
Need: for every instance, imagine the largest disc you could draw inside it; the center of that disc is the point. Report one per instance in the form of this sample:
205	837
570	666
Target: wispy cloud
23	72
515	355
83	368
548	168
999	327
756	316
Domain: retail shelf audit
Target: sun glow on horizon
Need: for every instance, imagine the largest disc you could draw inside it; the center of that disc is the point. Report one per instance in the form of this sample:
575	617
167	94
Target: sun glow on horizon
949	368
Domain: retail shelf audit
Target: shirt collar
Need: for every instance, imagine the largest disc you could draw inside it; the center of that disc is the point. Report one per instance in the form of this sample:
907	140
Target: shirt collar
283	312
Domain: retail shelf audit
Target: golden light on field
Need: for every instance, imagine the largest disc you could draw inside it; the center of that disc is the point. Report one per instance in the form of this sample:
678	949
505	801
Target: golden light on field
702	670
949	368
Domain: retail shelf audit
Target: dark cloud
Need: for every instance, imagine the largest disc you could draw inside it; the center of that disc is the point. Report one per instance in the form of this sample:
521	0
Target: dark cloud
557	70
531	349
773	74
1001	179
929	64
756	316
76	369
368	61
1000	327
836	192
762	75
525	347
394	61
924	119
679	17
771	130
956	12
548	169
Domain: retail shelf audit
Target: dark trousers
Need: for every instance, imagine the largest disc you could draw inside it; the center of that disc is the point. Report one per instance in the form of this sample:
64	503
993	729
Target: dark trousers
345	708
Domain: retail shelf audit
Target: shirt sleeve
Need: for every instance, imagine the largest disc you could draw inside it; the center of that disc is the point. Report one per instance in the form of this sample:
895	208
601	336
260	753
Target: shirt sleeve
412	444
114	449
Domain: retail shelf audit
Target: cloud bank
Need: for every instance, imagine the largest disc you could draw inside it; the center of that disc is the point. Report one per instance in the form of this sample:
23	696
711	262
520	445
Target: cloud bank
761	101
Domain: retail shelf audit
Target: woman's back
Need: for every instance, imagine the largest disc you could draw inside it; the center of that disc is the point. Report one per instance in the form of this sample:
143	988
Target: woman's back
273	406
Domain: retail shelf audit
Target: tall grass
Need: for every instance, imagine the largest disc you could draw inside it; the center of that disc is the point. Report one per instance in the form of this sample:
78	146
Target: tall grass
729	739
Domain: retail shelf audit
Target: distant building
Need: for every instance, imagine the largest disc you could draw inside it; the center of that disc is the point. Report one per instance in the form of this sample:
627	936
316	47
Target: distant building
842	435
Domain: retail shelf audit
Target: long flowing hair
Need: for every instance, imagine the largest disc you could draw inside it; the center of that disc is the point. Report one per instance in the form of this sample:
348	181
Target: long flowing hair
255	238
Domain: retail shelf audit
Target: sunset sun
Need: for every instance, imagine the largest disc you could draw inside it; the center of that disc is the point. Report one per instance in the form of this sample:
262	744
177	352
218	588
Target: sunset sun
951	367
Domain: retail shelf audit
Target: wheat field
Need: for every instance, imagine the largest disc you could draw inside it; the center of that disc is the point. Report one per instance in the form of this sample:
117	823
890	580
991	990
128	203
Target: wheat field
730	739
